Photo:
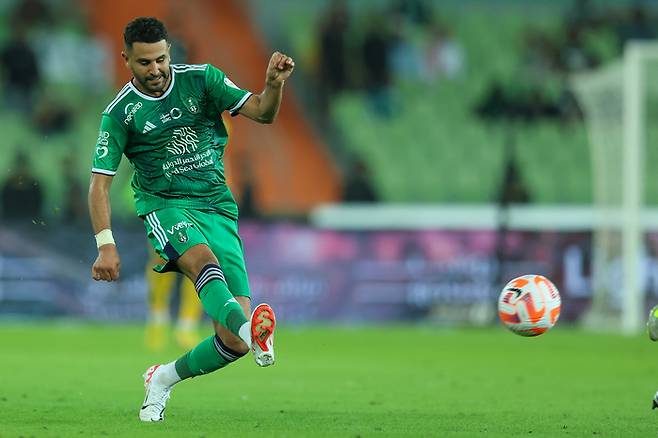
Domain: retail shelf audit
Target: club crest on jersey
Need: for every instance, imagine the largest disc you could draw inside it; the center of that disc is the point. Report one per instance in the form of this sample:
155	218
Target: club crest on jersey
179	230
192	105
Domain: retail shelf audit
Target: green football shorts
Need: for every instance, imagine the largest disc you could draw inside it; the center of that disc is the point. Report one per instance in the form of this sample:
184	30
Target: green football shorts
172	231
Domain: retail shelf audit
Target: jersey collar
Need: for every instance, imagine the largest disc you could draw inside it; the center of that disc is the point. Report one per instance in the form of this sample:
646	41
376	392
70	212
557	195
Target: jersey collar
146	96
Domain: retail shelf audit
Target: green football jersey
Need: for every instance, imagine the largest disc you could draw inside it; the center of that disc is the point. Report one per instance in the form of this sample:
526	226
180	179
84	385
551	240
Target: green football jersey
175	142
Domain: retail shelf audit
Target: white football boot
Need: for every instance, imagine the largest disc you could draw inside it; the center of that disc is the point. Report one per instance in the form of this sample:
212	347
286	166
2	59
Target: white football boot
262	335
156	397
654	402
652	323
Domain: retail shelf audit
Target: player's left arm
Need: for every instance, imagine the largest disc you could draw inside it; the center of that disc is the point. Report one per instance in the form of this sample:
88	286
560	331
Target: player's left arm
264	107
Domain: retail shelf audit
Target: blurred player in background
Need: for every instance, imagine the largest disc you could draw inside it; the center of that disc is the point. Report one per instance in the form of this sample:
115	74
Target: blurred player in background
161	287
167	122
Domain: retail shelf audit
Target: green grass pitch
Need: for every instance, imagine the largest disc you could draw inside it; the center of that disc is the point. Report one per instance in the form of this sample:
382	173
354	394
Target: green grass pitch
85	380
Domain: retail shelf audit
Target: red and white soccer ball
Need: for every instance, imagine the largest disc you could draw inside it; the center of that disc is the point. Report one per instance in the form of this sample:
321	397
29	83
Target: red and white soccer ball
529	305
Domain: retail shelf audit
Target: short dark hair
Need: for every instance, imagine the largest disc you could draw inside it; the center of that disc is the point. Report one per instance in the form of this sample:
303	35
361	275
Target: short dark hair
144	30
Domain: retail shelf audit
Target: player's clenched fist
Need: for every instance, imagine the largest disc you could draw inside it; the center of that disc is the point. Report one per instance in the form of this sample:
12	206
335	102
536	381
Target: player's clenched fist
279	69
107	264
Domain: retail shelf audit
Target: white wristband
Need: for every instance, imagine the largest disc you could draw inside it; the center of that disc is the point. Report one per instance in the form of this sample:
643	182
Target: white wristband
104	237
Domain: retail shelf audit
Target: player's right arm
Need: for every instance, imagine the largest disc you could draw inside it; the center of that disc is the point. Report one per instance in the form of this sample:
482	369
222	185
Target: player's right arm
107	264
111	142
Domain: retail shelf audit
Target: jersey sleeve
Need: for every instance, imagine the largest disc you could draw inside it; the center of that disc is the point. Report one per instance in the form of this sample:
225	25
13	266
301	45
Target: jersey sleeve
112	138
223	92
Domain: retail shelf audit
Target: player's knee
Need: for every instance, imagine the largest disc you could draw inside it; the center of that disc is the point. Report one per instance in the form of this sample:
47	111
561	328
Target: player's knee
195	259
208	273
231	348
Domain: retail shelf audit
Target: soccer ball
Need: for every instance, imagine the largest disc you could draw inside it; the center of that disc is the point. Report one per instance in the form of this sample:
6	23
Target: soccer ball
529	305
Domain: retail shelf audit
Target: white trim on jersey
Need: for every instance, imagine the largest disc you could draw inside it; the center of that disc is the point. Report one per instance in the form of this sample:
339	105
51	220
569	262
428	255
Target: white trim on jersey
147	97
103	171
180	68
120	95
241	102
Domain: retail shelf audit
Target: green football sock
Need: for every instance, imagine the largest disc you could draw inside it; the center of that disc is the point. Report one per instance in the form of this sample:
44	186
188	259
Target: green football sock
217	301
210	355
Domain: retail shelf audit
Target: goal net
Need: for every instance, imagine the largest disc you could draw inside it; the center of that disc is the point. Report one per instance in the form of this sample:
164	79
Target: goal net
620	105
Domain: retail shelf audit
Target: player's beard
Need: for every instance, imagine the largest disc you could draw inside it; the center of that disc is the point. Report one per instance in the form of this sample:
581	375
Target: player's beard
155	86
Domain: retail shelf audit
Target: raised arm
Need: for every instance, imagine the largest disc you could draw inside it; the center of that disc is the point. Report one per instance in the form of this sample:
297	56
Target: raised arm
107	264
264	107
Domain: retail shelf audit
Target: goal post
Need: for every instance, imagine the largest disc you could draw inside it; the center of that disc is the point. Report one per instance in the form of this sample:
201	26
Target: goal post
632	183
614	102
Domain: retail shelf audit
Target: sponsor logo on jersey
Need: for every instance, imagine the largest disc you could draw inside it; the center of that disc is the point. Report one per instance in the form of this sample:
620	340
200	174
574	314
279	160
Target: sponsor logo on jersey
180	227
181	165
173	114
147	127
130	110
184	141
101	144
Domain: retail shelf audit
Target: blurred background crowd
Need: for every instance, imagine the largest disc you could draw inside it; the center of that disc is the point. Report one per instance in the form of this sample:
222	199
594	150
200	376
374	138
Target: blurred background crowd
392	101
430	83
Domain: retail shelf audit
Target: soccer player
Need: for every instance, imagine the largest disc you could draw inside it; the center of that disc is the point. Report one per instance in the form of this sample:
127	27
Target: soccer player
160	289
166	121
